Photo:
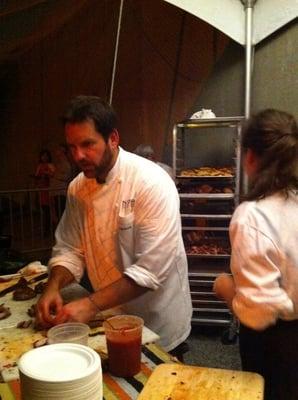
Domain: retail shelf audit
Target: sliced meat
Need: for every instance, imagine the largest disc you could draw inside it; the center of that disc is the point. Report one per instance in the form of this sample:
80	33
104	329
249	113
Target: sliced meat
24	324
40	287
4	312
32	311
23	293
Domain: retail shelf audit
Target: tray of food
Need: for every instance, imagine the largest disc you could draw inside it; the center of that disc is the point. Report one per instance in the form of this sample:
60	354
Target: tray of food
207	172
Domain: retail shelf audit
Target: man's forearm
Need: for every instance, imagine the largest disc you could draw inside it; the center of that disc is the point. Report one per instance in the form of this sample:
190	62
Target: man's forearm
60	277
119	292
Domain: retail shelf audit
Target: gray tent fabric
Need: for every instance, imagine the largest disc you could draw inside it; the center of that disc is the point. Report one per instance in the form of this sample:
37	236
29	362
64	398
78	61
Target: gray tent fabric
229	16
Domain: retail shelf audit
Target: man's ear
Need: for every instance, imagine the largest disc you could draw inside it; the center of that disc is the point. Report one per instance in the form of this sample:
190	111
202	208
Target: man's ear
114	139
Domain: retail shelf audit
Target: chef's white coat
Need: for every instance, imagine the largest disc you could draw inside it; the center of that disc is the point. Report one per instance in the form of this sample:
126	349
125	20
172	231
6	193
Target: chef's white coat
264	238
130	225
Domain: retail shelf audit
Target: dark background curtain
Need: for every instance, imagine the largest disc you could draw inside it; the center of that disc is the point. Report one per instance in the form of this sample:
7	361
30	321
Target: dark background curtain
53	50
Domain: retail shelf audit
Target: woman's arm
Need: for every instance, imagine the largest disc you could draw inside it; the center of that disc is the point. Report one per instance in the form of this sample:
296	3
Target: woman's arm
260	299
224	288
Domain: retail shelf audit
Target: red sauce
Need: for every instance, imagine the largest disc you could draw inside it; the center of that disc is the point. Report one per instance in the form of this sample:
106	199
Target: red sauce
124	356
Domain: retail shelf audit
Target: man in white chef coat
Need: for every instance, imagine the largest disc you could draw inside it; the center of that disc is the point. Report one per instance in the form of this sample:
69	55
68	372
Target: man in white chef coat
122	225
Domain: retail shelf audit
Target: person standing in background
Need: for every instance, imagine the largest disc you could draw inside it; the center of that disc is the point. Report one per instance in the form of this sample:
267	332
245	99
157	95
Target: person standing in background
145	150
43	174
60	180
263	292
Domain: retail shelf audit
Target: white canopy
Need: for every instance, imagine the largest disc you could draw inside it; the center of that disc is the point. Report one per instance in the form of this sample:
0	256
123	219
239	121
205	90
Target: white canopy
229	16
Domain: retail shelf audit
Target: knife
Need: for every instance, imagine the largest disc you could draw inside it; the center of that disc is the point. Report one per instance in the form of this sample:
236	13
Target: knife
15	285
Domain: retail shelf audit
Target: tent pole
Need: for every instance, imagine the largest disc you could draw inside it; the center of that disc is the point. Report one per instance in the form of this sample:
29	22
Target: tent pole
248	5
116	52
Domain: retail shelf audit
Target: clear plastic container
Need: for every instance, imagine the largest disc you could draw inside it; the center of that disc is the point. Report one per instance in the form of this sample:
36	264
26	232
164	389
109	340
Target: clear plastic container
70	332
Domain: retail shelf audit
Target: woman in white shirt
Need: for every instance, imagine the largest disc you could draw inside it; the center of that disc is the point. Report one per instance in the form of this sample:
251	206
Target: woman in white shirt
263	292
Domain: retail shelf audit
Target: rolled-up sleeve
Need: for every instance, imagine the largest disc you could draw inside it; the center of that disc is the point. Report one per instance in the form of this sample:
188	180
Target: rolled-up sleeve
260	300
157	231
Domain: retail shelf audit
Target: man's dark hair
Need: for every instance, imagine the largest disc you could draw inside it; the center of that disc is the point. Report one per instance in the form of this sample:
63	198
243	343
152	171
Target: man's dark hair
92	108
273	136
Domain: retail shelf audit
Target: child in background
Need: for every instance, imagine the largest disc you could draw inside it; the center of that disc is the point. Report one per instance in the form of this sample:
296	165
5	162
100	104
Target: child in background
44	171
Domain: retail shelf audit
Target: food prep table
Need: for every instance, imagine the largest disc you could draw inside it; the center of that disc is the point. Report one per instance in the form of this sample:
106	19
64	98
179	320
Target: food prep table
114	388
232	385
162	377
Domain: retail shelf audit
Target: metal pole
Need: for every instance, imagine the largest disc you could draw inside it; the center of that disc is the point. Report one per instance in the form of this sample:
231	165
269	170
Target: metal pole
248	6
116	52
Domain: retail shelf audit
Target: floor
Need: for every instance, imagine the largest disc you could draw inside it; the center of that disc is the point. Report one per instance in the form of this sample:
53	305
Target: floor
207	349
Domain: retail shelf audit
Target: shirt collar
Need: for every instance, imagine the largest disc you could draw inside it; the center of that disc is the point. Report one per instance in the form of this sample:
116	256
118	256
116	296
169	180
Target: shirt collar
115	171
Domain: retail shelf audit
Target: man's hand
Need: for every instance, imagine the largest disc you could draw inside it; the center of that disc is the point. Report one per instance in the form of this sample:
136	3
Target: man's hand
51	303
82	310
48	306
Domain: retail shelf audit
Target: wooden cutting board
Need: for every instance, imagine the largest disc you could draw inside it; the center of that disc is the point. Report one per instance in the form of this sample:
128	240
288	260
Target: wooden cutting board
181	382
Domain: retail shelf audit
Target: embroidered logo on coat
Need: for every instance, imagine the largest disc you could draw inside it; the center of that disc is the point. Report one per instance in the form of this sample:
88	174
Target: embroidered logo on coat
127	206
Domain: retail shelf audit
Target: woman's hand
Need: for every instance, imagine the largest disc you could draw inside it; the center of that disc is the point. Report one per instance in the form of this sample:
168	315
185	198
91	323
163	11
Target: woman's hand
224	288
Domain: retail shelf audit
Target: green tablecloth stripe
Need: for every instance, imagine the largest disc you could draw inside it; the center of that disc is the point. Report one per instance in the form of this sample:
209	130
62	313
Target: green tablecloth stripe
5	392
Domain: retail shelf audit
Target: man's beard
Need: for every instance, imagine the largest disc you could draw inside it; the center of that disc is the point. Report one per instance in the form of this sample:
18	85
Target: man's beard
102	170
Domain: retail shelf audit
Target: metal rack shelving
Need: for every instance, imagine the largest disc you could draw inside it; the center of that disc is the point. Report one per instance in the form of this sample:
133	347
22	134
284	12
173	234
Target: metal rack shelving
213	210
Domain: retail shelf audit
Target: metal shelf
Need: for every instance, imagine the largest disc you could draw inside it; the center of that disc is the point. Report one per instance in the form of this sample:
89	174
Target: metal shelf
199	293
202	275
205	228
190	152
200	283
211	321
214	196
212	177
211	310
230	122
207	216
209	303
208	255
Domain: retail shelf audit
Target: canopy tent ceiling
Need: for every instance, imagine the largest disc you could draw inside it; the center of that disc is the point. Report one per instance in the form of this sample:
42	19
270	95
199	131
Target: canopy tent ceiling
51	50
25	23
229	17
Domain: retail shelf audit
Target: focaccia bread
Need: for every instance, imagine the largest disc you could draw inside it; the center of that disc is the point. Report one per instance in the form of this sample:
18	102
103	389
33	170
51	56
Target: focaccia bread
208	171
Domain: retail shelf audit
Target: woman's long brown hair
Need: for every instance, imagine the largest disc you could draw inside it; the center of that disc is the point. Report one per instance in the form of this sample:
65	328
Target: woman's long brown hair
273	136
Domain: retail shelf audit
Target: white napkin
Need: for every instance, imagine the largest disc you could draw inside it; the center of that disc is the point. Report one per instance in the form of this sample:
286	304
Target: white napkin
35	267
204	113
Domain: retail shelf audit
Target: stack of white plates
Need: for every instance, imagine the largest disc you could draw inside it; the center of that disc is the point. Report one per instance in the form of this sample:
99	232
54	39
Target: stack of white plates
63	371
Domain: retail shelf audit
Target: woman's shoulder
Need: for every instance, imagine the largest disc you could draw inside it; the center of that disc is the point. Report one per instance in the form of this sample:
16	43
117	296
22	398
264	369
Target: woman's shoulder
266	212
244	209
